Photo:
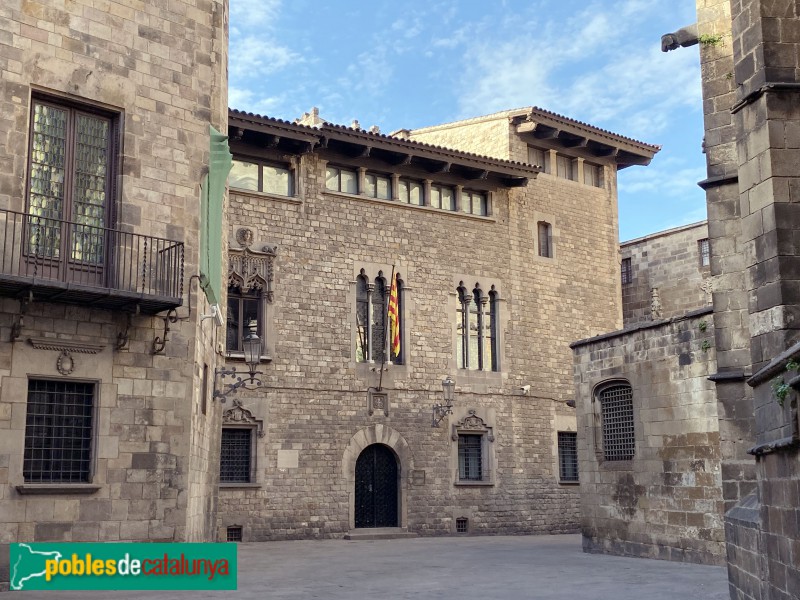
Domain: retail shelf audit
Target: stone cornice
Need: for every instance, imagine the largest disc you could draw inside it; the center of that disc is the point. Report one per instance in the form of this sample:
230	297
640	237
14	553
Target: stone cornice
66	345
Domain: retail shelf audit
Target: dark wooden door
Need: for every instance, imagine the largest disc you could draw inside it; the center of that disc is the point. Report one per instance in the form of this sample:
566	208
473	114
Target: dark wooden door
376	488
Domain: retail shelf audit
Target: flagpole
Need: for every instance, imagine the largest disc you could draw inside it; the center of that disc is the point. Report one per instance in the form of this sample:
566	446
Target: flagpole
387	332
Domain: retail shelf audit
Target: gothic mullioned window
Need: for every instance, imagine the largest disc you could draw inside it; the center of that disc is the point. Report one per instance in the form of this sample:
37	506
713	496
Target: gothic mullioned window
372	298
476	329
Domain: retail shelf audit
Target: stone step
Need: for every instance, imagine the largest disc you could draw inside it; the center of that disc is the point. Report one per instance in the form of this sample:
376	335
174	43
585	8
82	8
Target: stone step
379	533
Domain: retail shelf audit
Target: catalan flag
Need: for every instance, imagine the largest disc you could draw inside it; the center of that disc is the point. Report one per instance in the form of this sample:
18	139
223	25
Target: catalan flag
394	319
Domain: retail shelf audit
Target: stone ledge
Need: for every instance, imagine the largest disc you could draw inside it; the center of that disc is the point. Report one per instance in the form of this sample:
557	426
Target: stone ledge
26	489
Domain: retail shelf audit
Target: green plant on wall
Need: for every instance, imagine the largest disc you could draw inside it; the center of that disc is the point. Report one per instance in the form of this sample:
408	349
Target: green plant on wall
705	346
702	326
781	389
708	39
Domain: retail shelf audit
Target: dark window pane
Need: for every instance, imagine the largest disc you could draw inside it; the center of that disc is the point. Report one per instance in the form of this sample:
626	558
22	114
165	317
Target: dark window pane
470	459
58	432
568	455
235	456
232	340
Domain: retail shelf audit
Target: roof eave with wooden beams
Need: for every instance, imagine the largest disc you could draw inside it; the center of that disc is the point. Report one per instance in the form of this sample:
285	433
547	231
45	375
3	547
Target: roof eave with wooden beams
354	144
548	130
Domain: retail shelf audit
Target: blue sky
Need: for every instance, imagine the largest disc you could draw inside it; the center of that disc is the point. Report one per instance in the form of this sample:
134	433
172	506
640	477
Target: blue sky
421	62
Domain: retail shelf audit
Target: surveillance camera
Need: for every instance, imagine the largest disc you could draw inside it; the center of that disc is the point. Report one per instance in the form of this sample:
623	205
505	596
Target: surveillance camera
218	320
525	389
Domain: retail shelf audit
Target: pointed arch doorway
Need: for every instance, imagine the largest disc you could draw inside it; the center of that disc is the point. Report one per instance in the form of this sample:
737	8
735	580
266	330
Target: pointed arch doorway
377	487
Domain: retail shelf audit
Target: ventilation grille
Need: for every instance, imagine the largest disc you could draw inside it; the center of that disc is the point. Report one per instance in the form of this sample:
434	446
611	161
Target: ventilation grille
235	534
462	525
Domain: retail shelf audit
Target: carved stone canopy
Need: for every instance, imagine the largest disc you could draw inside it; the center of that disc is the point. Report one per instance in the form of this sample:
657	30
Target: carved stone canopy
472	423
251	270
239	415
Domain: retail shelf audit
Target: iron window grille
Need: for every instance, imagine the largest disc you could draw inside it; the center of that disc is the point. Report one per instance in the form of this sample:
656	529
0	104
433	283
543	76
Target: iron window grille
462	525
545	233
234	533
704	250
58	432
470	458
236	455
627	271
477	322
568	456
616	402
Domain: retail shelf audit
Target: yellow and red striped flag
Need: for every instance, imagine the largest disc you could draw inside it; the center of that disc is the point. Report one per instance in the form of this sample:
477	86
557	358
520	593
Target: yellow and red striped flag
394	319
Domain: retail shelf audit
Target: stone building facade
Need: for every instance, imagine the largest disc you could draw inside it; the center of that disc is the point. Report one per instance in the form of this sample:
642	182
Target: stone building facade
651	483
664	274
490	254
649	449
104	142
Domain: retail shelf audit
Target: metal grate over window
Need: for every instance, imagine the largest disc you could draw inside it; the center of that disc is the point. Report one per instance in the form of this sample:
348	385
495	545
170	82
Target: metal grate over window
704	250
617	410
235	455
58	432
568	455
627	271
462	525
470	461
234	533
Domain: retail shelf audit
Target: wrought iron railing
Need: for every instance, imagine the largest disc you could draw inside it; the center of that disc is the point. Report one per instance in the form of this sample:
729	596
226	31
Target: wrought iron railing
45	250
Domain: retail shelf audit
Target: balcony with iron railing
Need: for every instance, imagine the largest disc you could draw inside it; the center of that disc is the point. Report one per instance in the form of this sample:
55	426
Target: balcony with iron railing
53	260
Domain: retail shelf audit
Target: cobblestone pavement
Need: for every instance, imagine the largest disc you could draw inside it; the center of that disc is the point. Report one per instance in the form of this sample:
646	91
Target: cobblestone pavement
463	568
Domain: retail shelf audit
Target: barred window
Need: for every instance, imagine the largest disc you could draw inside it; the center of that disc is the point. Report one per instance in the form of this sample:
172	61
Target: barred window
234	533
704	249
470	457
627	271
58	432
236	455
545	234
616	402
568	456
476	328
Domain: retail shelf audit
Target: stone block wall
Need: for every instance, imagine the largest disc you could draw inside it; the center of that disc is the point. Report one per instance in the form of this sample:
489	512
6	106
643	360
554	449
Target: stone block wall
161	68
669	262
314	401
665	502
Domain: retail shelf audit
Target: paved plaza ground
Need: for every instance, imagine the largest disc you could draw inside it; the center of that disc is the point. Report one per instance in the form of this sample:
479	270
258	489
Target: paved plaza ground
457	568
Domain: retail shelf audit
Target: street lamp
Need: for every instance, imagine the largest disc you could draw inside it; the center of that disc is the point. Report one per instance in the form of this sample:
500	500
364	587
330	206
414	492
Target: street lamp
251	344
440	411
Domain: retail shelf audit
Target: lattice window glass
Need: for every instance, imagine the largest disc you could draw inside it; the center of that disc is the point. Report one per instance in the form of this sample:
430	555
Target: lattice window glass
616	403
545	234
470	457
71	170
704	249
236	455
568	455
627	271
58	432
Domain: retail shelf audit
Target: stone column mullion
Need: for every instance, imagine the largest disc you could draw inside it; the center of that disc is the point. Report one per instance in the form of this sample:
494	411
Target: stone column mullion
370	290
481	335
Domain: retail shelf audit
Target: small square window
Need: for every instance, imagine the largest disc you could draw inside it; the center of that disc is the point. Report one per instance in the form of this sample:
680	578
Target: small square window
378	186
338	179
592	174
234	533
704	249
410	192
261	177
462	525
627	271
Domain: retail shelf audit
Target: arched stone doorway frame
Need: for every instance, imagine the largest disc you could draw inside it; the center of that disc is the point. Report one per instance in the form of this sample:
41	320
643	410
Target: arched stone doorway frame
378	434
